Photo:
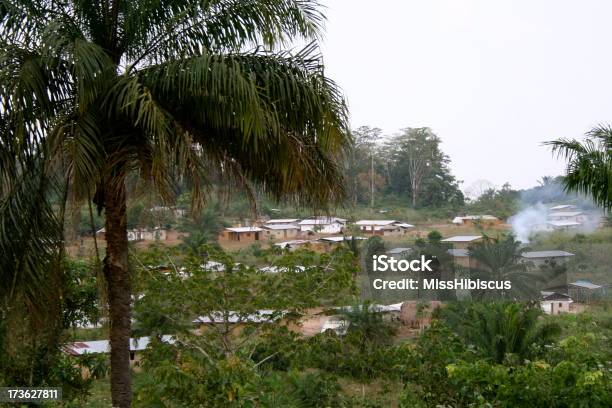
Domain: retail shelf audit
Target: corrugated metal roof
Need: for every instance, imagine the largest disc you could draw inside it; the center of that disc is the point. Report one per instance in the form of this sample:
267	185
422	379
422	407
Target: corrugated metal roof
546	254
585	285
281	226
244	229
282	220
375	222
462	238
565	214
103	346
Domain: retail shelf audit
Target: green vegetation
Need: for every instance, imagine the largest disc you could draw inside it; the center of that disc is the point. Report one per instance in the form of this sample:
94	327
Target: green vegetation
102	100
588	164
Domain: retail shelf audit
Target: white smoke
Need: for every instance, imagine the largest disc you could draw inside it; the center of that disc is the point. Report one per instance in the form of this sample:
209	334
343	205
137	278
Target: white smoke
535	219
526	221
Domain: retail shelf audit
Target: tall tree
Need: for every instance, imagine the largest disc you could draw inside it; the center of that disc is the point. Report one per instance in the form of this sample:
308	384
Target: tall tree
420	168
361	163
589	164
169	90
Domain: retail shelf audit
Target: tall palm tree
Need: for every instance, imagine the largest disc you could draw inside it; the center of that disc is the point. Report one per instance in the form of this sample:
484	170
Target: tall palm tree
499	259
94	91
589	164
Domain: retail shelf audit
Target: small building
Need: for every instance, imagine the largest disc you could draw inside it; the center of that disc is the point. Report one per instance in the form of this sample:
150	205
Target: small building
323	225
241	234
584	290
145	234
399	252
553	303
470	220
462	241
326	244
137	345
539	258
336	324
563	225
573	216
280	231
383	227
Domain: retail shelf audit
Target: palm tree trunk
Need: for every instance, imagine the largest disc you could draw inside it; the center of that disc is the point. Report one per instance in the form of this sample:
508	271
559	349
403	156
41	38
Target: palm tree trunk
119	290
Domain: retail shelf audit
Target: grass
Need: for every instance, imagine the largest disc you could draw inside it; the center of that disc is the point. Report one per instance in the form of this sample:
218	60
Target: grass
100	395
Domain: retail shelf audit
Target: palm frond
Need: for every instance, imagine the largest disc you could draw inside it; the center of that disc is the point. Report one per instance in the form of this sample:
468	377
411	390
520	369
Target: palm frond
589	164
178	29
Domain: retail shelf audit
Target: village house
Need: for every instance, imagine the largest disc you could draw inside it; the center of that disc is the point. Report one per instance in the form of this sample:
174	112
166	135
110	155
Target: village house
137	345
326	244
144	234
570	216
538	258
470	220
337	324
140	234
399	252
462	241
584	290
383	227
280	231
323	225
553	303
241	234
563	225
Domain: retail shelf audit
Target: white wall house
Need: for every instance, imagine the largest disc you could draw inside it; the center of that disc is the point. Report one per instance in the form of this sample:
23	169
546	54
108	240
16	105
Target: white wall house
141	234
323	225
555	303
281	231
383	227
572	216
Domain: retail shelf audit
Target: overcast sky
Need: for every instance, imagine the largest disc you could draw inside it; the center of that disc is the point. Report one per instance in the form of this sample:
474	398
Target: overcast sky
493	78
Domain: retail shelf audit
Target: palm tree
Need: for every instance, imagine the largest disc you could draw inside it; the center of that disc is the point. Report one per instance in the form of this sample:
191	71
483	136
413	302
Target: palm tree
167	91
500	330
499	259
365	319
589	164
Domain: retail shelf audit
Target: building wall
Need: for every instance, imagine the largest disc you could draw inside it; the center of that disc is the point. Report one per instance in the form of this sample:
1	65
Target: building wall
334	228
240	236
554	307
282	234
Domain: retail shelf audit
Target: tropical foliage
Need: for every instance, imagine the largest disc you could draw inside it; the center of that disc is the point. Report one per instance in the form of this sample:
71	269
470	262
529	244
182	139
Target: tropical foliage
588	164
104	97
